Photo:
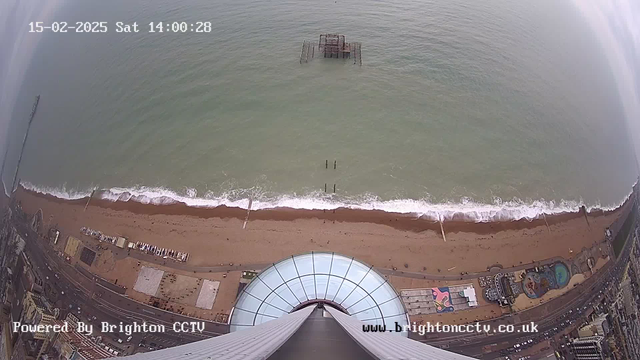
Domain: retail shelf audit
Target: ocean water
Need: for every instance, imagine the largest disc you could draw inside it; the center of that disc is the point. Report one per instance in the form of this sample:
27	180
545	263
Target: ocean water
497	109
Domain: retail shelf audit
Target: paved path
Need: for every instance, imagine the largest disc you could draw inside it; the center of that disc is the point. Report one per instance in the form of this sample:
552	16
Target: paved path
139	255
548	316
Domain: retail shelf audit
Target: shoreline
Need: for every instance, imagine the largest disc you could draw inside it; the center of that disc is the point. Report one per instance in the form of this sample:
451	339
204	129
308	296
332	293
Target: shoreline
465	210
217	236
399	221
408	251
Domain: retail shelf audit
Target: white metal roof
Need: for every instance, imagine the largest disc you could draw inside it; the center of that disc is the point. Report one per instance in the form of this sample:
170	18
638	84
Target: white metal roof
344	282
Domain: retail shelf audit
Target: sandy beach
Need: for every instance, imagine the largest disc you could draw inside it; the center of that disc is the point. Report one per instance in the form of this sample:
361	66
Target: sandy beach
215	236
409	250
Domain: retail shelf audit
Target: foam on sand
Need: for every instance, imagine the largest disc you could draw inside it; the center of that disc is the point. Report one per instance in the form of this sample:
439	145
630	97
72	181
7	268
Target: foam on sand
466	209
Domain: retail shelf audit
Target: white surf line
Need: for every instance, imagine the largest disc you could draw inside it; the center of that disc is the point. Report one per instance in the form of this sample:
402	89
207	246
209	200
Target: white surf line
244	226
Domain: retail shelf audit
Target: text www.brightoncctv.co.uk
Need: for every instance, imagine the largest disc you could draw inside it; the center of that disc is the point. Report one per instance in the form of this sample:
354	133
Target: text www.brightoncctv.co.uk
428	327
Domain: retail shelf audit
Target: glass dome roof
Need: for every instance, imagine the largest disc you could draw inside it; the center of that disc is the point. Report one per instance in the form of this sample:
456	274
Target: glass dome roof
345	283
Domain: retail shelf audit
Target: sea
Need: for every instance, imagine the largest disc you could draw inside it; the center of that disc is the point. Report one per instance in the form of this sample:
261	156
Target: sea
490	109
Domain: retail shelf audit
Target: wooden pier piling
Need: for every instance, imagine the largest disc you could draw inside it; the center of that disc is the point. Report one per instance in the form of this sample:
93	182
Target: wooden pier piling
307	51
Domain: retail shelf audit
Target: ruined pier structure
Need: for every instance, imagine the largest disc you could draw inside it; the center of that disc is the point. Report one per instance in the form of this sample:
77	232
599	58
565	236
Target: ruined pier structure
332	46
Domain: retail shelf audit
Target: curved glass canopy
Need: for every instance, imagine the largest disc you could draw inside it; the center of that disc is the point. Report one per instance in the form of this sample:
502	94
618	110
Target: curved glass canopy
345	283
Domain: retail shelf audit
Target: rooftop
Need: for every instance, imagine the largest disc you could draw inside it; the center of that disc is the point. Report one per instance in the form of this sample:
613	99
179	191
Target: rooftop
341	282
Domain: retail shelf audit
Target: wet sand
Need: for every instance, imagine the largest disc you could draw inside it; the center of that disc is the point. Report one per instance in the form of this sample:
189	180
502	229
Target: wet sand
215	236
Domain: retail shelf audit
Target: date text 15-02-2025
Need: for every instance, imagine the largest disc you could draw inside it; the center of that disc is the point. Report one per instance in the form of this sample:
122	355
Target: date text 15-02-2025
120	27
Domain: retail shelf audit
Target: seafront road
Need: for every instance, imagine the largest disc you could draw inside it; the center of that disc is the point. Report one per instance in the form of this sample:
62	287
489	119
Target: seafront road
99	297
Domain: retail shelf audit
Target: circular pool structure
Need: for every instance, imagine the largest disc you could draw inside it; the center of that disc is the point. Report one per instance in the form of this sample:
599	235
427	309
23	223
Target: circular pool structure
562	274
554	276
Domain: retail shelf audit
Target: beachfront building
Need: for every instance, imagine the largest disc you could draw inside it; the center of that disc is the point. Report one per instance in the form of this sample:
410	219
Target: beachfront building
313	306
587	348
73	345
35	312
439	299
598	326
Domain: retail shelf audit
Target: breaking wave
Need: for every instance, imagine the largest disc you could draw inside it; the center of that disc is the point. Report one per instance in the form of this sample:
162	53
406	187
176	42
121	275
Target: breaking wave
464	209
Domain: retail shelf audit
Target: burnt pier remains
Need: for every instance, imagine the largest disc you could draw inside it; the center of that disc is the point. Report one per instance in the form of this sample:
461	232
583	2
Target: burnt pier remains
331	46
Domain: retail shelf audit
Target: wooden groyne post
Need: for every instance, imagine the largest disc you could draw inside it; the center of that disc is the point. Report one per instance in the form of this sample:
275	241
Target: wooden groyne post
89	199
546	223
246	219
583	210
444	237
